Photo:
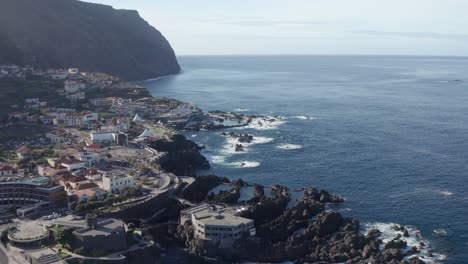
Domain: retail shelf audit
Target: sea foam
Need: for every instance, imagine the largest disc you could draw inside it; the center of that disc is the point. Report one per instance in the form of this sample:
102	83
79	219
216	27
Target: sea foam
389	232
303	117
290	146
265	123
245	164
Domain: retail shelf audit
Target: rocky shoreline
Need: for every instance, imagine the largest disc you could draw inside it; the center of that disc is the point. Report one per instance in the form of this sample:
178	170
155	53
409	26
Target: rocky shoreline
305	232
301	230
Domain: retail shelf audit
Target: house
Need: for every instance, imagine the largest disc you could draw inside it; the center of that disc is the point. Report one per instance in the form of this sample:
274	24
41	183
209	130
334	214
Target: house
93	174
32	100
104	101
70	164
218	224
114	126
113	183
23	152
46	120
79	119
23	166
94	148
97	137
69	181
76	96
57	136
87	157
6	170
121	101
85	185
32	118
20	115
86	194
73	71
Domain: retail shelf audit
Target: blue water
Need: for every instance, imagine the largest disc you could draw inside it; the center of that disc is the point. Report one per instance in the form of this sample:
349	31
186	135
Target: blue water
390	134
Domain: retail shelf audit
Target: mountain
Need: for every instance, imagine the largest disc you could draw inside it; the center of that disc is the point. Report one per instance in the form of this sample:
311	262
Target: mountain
92	37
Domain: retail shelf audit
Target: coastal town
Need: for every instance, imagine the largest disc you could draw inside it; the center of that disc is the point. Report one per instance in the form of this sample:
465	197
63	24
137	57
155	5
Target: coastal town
96	170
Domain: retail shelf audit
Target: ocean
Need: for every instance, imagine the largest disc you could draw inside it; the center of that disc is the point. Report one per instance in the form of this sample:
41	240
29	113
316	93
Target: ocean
388	133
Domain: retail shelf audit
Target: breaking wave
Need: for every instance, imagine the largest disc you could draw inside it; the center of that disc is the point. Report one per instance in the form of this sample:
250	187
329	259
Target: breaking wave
265	123
245	164
303	117
389	231
290	146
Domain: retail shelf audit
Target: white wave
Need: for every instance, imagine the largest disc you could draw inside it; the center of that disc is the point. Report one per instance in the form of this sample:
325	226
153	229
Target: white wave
245	164
265	123
290	146
261	140
445	192
302	117
194	135
440	232
389	231
241	109
230	145
218	159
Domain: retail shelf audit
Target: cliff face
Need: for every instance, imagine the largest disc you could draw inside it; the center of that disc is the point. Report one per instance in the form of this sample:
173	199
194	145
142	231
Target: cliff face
92	37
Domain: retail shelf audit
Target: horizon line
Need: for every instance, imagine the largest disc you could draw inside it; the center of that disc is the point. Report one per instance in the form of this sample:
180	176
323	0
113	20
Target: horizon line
318	54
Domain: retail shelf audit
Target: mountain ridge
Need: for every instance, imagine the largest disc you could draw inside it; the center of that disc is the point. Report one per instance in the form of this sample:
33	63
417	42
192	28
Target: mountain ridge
92	37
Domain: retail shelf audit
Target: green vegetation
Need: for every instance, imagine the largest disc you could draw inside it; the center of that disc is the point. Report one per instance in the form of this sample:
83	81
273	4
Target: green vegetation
63	255
14	91
22	132
120	89
62	235
94	204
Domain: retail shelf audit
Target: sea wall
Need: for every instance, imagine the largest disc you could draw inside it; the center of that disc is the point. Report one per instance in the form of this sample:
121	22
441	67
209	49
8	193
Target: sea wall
142	210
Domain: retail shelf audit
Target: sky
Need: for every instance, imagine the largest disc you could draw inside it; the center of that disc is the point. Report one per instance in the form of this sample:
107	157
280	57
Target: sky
238	27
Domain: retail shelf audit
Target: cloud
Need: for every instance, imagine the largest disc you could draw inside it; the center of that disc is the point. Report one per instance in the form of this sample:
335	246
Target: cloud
428	35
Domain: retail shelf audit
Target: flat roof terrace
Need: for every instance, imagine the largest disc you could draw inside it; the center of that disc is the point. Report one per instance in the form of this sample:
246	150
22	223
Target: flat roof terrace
218	216
28	231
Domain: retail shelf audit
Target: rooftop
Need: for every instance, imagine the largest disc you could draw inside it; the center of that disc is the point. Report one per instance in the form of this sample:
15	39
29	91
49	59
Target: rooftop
104	228
28	231
216	215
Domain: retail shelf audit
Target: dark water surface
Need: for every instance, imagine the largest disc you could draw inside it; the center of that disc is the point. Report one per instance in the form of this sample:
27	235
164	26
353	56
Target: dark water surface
390	134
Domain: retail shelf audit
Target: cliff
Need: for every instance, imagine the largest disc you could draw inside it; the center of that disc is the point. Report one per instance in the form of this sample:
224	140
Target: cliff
92	37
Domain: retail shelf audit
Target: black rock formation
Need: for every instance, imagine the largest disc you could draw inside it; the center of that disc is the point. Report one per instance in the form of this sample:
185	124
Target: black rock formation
183	156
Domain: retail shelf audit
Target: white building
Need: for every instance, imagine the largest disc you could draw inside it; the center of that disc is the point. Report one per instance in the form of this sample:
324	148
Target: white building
32	100
97	137
71	164
76	96
79	119
72	86
218	224
73	71
87	157
112	182
6	170
56	136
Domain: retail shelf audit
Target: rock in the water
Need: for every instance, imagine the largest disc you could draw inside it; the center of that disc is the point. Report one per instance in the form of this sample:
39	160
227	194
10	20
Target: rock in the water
239	148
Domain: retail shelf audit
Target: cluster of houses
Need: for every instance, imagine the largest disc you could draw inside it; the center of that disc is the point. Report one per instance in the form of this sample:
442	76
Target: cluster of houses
75	171
148	108
15	71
